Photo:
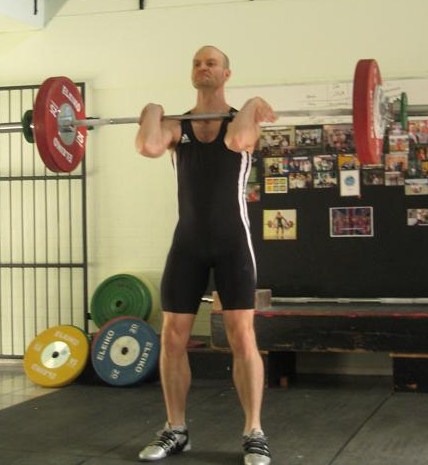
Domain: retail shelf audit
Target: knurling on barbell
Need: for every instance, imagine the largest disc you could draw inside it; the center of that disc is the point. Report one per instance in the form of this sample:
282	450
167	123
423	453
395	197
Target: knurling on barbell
58	124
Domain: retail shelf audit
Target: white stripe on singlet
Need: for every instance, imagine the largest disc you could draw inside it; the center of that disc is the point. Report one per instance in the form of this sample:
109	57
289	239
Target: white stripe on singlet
174	164
244	174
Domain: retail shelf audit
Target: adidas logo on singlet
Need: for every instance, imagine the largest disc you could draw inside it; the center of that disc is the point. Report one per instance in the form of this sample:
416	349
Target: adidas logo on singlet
185	139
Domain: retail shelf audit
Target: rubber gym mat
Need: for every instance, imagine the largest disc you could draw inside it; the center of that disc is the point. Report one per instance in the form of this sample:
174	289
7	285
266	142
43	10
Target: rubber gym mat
311	424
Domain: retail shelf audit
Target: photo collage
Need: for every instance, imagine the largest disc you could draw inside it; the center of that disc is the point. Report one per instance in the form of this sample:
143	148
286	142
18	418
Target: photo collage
324	157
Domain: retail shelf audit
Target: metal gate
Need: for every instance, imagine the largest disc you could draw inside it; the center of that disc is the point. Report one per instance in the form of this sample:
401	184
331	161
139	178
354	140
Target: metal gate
43	248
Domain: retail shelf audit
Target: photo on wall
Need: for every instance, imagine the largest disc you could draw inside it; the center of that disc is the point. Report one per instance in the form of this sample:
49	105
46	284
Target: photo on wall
252	192
325	179
417	217
348	161
339	138
276	141
398	143
351	222
394	178
300	180
416	186
350	183
279	225
396	161
275	166
278	185
309	137
373	175
418	131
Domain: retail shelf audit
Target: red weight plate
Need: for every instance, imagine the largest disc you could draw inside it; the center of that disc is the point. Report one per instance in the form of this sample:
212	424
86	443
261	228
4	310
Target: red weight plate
45	155
59	154
368	130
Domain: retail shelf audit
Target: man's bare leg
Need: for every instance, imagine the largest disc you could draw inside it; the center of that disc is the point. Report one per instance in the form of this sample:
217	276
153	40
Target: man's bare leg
174	364
176	379
248	370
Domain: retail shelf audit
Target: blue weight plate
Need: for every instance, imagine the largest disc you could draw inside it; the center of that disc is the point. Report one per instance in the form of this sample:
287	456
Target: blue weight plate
125	351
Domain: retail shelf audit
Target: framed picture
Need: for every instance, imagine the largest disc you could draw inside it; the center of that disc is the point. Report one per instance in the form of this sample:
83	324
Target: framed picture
351	222
279	225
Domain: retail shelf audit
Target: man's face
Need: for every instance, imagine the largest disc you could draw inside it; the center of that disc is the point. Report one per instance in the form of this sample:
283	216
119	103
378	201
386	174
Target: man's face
209	69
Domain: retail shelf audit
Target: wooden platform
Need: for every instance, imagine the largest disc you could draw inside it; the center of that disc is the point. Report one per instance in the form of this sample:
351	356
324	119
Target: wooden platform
283	331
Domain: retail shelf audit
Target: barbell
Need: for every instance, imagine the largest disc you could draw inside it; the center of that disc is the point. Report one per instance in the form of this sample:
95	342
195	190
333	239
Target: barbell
58	124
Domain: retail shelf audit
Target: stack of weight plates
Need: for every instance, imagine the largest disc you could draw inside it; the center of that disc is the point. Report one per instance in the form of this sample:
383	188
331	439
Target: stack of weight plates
124	351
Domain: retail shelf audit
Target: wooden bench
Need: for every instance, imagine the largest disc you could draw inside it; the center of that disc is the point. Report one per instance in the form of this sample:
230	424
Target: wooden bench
283	331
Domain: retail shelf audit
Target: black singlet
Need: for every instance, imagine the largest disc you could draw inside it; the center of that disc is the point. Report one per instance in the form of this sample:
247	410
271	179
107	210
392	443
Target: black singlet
213	229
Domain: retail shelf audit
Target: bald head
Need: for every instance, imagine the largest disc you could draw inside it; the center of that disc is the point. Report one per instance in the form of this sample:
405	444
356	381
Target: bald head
226	62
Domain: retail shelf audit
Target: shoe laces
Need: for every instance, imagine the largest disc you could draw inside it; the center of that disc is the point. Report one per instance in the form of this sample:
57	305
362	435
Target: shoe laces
167	439
256	443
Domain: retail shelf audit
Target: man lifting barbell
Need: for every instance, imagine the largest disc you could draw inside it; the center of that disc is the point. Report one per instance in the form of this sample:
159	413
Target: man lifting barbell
212	160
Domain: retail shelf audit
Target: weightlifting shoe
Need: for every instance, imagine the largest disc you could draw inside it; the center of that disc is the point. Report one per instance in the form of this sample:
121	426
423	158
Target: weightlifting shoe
256	450
168	442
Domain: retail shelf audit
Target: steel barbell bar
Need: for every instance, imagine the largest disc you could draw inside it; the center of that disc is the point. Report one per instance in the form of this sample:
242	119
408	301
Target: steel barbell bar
66	123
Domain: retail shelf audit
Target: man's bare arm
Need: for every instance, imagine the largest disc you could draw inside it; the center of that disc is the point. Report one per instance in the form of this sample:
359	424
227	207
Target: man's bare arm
244	131
155	135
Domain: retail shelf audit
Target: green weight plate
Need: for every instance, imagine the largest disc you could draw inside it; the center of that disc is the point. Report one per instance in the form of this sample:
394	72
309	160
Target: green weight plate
27	119
404	119
121	295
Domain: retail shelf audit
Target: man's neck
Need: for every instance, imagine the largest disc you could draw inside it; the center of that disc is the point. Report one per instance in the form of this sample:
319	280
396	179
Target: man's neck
211	102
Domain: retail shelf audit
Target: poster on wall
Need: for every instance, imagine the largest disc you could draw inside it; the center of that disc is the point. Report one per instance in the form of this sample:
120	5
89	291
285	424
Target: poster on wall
279	225
351	222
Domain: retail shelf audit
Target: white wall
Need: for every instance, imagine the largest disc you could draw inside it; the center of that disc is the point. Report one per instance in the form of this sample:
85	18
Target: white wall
129	57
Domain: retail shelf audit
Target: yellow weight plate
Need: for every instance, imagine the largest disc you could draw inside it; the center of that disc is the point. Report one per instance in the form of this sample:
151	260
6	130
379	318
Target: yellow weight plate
57	356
